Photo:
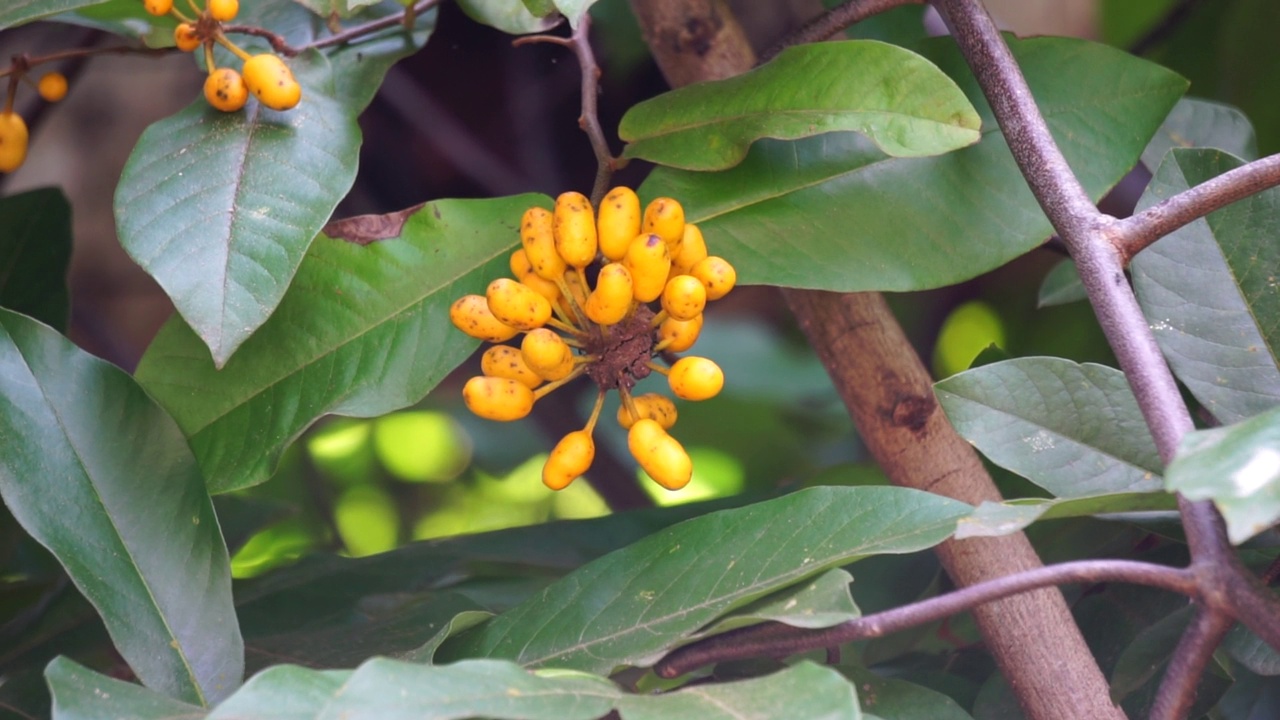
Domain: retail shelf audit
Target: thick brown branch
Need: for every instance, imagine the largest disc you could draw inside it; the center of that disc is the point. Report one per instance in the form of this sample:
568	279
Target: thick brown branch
778	640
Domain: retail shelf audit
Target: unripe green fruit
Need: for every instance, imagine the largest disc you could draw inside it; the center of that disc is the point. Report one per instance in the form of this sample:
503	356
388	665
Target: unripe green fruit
659	454
610	302
500	399
571	458
471	315
684	297
517	305
695	378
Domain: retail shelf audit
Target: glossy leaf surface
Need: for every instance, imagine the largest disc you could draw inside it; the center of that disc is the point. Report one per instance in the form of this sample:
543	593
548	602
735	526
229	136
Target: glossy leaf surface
17	12
94	470
363	330
901	101
834	213
1209	291
1072	429
35	250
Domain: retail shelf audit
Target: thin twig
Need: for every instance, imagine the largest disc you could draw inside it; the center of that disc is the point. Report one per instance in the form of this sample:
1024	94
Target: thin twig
1135	233
280	45
778	640
1177	690
589	120
833	21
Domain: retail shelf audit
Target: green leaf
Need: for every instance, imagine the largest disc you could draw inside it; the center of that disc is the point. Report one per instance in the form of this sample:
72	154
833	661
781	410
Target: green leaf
899	100
220	207
571	9
1072	429
18	12
362	331
1061	286
1209	291
630	606
82	694
127	18
992	519
96	472
1238	468
1202	123
509	16
1251	651
833	213
35	249
802	692
820	602
899	699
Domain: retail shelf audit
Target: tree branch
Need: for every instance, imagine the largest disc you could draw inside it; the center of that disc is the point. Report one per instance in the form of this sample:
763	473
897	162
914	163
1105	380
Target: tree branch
779	640
1178	688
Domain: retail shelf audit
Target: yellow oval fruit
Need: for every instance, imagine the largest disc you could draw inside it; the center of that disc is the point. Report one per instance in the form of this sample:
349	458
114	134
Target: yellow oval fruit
224	10
186	37
649	262
544	352
680	335
659	454
695	378
539	242
717	275
13	141
505	361
522	269
500	399
561	371
471	315
571	458
574	228
684	297
618	223
693	248
652	406
270	80
158	7
52	86
610	302
225	90
664	217
517	305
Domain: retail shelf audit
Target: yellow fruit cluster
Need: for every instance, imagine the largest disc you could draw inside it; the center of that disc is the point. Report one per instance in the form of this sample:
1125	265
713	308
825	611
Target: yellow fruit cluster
14	137
581	296
265	76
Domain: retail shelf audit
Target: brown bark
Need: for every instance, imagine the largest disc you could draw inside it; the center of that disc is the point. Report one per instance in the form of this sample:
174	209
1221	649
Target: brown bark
890	397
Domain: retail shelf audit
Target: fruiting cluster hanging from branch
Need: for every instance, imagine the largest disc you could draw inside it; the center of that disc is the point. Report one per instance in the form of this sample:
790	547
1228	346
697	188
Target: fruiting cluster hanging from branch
14	137
606	330
265	75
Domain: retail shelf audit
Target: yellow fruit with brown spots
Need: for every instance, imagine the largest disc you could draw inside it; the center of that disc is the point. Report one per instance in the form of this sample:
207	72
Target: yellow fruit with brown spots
494	398
471	315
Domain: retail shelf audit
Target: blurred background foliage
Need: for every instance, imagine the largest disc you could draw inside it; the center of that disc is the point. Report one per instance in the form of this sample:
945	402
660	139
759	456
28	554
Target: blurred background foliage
471	116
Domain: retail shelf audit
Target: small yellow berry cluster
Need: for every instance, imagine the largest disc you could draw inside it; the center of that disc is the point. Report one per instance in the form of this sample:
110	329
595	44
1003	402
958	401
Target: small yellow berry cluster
14	137
265	75
607	331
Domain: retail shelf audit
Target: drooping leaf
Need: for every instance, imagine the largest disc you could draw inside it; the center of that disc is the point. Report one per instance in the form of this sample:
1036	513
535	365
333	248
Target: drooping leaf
509	16
897	699
833	213
819	602
95	471
804	692
220	207
82	694
1251	651
18	12
35	250
1250	697
1205	124
1074	430
630	606
1238	468
1209	291
1061	286
900	100
992	519
363	330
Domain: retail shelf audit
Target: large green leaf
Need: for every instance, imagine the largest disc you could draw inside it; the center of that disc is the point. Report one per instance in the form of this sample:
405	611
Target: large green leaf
1209	291
895	699
899	100
17	12
95	471
1238	468
819	602
363	330
991	519
630	606
35	249
1201	123
509	16
834	213
220	207
1072	429
384	689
